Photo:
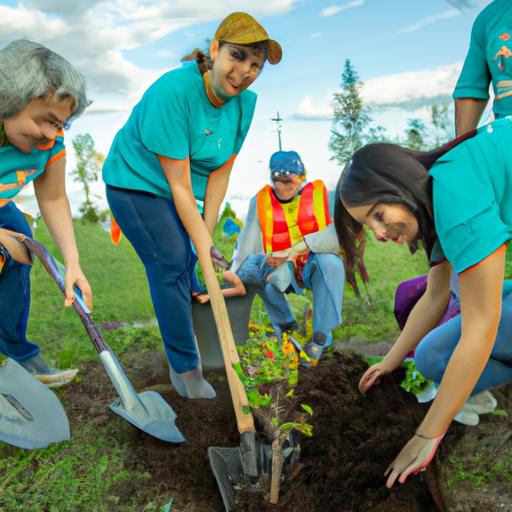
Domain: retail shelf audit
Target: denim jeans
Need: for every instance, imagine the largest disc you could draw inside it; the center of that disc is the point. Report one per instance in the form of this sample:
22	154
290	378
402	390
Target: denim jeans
152	225
15	293
324	275
436	348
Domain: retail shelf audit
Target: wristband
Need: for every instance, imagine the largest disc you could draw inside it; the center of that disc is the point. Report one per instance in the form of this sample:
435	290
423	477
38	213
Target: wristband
425	437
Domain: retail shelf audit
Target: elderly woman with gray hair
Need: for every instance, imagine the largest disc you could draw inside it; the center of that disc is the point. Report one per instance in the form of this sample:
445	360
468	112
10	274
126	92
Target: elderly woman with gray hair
40	92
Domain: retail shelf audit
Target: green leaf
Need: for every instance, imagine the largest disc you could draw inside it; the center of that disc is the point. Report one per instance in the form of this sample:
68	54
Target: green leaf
307	408
167	506
290	393
500	412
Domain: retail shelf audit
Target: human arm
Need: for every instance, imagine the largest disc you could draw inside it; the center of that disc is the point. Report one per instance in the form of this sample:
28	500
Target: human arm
53	202
468	112
177	173
215	193
471	92
480	298
422	319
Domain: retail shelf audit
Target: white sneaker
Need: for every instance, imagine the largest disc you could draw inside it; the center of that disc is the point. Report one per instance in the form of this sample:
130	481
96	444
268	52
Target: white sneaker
467	416
483	403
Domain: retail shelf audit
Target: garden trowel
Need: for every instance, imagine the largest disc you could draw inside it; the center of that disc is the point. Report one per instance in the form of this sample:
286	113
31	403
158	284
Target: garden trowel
147	411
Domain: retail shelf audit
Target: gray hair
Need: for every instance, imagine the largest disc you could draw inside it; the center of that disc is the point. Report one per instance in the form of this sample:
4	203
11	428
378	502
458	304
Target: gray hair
29	70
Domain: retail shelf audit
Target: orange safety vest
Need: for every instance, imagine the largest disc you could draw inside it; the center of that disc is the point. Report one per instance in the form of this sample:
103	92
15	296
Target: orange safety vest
313	215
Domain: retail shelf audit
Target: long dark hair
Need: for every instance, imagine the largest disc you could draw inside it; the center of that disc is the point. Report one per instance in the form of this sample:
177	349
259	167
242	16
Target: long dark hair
386	174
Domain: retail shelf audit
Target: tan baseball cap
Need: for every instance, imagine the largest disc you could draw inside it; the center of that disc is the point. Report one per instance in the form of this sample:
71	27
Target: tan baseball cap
242	28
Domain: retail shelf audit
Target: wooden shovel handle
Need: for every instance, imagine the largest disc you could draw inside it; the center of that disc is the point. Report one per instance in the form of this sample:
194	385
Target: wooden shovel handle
244	421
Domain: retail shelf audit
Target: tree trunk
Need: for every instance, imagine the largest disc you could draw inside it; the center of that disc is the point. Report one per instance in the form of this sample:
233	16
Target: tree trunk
275	482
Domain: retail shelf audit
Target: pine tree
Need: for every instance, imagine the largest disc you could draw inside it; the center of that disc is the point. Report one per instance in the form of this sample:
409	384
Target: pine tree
352	121
415	135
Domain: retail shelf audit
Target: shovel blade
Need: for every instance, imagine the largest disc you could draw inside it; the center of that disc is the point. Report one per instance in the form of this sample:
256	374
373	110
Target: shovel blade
154	416
31	416
227	467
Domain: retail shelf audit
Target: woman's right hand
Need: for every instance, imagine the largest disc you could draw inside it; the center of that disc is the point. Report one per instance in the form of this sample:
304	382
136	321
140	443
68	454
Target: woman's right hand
371	375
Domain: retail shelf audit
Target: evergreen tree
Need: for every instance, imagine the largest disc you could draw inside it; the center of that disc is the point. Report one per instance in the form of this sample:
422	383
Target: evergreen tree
89	163
443	127
352	121
415	135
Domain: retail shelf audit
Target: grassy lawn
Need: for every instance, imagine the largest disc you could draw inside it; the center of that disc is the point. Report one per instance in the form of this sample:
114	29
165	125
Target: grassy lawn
83	473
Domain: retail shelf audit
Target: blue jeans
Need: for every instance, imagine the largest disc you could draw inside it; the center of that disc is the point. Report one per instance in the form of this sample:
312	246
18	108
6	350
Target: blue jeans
434	351
324	275
15	293
152	225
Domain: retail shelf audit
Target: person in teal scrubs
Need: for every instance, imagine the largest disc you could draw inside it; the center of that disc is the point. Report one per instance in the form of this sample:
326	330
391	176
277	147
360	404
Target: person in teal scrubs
456	201
167	173
39	93
489	60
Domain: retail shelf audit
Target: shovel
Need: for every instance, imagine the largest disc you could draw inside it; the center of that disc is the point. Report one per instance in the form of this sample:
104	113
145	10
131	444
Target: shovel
147	411
230	465
31	416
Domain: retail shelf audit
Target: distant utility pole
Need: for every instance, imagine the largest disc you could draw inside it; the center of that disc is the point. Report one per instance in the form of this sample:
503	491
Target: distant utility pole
278	120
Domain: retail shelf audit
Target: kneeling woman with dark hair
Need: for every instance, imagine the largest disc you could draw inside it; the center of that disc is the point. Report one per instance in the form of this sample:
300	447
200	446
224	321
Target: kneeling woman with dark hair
456	201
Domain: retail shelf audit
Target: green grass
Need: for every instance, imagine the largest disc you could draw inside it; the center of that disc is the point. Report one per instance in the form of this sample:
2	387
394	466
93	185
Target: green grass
78	475
372	319
87	473
120	292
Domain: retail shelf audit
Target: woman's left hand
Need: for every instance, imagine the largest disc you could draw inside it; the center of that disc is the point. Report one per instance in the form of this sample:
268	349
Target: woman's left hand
415	456
75	277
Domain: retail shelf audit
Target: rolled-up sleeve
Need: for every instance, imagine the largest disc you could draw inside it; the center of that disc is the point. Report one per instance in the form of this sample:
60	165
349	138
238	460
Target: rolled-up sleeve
475	76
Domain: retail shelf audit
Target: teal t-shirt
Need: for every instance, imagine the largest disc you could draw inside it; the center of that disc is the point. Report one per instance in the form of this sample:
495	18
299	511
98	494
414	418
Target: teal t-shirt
489	58
18	169
175	119
472	196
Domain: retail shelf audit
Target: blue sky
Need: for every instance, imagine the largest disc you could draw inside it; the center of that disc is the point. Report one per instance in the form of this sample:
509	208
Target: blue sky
408	53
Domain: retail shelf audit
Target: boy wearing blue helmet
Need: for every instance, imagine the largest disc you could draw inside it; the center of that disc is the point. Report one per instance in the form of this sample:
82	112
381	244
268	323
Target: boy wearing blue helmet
278	249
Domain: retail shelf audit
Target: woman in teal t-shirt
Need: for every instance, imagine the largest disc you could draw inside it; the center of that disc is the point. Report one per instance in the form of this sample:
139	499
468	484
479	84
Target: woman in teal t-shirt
461	210
168	170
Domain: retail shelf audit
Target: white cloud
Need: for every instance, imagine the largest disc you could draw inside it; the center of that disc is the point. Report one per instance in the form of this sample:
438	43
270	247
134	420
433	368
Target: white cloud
16	23
93	34
316	35
308	110
429	20
412	86
406	91
335	9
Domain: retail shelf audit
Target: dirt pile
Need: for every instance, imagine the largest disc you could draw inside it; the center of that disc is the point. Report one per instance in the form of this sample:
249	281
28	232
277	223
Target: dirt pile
342	466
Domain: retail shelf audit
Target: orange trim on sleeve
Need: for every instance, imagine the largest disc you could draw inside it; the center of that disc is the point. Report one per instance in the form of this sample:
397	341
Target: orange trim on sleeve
44	147
226	164
57	156
3	202
499	250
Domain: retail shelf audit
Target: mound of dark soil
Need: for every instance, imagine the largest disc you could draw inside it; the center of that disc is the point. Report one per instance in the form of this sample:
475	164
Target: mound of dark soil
342	466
